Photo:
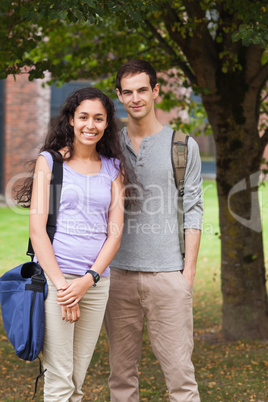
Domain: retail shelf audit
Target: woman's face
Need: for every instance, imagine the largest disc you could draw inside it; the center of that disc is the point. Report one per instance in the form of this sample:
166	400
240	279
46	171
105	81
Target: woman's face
89	122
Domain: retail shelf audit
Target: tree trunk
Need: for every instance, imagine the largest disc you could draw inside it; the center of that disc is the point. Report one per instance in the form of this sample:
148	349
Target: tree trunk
245	308
244	312
233	76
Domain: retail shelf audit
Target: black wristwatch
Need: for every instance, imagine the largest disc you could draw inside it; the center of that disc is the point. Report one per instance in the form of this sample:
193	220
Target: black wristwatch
95	275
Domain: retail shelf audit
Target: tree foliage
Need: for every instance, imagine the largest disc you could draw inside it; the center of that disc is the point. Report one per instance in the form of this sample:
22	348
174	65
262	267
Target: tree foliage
72	38
79	39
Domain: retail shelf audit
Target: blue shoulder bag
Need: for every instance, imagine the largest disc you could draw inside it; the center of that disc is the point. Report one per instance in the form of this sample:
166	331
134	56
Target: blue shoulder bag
23	289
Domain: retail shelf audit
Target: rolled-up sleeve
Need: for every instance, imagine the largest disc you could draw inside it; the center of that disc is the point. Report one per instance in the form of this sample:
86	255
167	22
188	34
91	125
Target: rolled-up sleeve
192	200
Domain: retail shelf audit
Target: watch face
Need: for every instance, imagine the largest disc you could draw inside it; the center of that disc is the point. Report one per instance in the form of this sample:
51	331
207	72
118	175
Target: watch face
95	275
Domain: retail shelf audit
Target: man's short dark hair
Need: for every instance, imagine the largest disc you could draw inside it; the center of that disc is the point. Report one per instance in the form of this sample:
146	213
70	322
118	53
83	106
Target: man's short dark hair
133	67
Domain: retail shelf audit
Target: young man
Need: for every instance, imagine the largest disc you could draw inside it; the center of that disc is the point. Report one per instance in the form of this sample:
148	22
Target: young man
149	278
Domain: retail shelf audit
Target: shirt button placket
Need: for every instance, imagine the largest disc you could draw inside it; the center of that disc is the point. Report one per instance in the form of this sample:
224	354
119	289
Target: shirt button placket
141	154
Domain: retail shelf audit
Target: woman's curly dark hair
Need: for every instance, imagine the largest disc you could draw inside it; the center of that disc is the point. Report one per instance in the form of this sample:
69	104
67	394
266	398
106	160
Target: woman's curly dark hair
61	135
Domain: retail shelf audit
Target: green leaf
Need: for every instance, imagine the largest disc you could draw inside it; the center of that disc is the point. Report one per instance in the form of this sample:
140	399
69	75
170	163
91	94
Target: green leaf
90	3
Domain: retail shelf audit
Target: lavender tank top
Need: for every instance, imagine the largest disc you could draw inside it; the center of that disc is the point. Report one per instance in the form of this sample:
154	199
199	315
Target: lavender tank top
83	216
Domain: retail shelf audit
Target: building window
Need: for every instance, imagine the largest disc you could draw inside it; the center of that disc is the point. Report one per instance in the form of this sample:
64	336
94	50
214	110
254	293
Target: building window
59	95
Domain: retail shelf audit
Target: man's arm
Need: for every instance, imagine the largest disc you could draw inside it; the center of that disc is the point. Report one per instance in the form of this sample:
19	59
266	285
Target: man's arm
192	242
193	210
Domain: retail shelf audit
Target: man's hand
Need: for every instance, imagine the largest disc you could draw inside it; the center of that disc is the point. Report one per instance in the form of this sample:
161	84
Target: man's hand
189	275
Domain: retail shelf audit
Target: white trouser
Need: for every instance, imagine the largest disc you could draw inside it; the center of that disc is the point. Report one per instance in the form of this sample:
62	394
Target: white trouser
68	348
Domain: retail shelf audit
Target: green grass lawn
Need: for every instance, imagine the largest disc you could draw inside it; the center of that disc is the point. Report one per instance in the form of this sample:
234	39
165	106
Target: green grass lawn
233	371
14	234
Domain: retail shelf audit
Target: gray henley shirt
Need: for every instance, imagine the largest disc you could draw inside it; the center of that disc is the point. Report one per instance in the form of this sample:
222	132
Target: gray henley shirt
150	241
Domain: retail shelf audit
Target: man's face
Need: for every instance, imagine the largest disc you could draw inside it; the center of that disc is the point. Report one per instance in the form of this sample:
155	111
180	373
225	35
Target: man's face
138	96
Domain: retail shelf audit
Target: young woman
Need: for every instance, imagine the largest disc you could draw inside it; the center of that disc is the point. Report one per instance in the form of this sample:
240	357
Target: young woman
88	234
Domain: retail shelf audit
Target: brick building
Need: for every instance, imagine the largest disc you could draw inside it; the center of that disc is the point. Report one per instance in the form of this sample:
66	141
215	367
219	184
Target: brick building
25	118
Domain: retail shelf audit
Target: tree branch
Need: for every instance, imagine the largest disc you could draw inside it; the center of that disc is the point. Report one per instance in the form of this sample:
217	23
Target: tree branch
265	97
200	27
192	37
264	139
260	77
164	44
174	17
194	10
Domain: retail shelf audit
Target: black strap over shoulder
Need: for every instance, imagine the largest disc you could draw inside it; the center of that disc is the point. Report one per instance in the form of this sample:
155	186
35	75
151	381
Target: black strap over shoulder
54	201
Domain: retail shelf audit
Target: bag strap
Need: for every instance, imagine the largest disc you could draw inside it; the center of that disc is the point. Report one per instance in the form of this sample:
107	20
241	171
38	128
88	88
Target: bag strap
54	201
41	373
179	150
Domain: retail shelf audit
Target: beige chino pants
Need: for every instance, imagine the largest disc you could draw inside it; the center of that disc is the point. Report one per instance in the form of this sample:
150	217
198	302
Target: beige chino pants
68	348
165	301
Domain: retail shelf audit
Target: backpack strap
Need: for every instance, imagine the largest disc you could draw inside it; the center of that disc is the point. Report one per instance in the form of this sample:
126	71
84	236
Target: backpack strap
179	150
54	198
54	201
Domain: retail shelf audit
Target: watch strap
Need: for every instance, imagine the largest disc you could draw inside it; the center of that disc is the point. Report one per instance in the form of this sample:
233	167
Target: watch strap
96	276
